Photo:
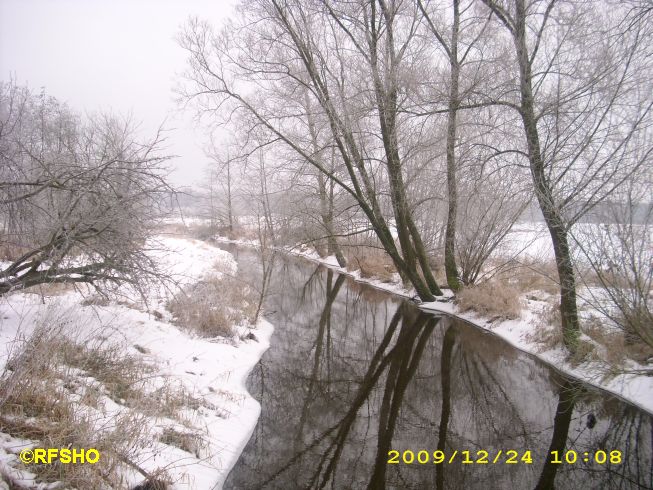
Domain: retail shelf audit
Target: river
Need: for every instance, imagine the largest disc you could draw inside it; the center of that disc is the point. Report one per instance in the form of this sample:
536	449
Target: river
360	389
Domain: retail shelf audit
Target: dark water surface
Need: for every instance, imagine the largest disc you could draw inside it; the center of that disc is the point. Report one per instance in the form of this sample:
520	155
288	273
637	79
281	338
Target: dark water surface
354	373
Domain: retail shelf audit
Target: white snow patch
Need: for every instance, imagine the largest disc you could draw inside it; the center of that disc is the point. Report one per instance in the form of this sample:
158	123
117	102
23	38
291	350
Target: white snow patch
213	370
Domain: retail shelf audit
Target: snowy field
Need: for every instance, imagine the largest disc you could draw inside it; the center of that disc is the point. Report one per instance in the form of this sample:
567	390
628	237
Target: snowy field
212	372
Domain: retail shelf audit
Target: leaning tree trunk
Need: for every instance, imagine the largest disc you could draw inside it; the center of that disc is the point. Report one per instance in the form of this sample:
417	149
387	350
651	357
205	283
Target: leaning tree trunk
412	248
543	190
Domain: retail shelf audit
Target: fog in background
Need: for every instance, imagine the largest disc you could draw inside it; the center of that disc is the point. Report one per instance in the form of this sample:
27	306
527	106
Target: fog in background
118	55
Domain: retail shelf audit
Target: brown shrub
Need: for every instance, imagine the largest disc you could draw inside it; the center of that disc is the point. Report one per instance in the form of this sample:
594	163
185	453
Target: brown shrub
121	374
191	442
547	333
492	299
372	263
239	233
96	300
51	289
531	276
172	229
214	306
617	344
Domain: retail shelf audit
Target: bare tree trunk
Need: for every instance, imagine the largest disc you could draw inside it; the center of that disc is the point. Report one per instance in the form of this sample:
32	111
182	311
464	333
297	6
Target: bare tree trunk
451	270
230	215
543	190
212	211
265	199
326	206
551	209
386	99
326	200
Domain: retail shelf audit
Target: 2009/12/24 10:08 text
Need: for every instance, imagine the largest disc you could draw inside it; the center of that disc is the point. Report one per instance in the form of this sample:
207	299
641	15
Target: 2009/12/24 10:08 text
500	456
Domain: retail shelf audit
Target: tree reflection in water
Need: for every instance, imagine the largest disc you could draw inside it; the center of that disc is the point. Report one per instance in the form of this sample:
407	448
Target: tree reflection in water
353	373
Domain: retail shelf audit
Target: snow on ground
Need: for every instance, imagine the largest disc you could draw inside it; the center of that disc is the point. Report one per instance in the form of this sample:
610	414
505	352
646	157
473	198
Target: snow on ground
528	240
213	371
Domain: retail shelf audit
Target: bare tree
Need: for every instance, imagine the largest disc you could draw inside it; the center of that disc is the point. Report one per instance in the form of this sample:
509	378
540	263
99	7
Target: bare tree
328	51
582	110
325	187
463	56
78	199
221	181
619	252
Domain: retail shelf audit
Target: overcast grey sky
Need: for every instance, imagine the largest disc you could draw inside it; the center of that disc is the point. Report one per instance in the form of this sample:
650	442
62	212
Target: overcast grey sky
109	54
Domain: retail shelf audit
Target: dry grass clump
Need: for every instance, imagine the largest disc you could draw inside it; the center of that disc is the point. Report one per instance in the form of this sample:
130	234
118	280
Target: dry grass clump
635	318
605	342
535	275
191	442
172	400
171	229
52	289
547	333
96	300
43	397
372	263
206	231
585	351
121	374
213	306
547	337
201	231
616	344
158	480
492	299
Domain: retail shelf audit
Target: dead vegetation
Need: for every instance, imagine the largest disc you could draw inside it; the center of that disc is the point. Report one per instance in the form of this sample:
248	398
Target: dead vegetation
122	375
238	233
527	275
547	335
603	341
213	306
64	392
616	345
493	299
372	263
206	231
191	442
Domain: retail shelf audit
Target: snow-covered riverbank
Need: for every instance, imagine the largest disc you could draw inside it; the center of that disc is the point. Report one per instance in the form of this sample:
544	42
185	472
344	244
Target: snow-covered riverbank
634	388
212	372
